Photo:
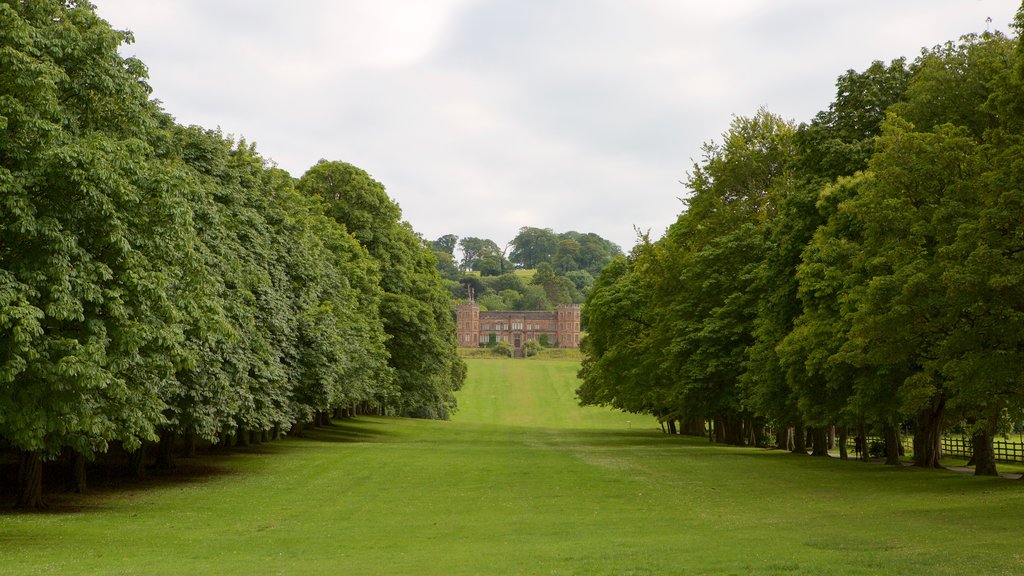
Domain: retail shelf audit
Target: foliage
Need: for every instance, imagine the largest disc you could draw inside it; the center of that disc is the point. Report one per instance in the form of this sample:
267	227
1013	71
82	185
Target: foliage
564	266
501	349
484	256
861	271
532	348
158	281
414	307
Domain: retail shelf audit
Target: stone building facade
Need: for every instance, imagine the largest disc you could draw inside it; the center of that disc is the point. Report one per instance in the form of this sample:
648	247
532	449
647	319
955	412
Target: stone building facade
559	328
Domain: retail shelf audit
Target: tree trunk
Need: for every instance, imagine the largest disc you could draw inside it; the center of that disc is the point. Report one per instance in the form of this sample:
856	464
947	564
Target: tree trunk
137	463
831	437
242	437
77	482
892	445
819	441
799	440
734	430
188	445
694	427
30	482
720	430
928	435
984	454
672	426
844	439
297	429
165	450
861	443
741	431
782	438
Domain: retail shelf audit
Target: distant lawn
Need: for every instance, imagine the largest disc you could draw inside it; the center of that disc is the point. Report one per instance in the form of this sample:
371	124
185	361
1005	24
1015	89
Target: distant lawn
522	481
525	274
569	354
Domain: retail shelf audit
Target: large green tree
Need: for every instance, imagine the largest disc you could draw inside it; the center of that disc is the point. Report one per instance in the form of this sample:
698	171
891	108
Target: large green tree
531	246
87	335
414	304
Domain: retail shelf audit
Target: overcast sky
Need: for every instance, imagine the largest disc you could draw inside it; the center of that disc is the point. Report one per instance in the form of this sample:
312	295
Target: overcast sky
483	116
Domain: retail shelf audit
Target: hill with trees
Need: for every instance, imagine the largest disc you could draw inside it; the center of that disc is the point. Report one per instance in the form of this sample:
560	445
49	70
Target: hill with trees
537	270
863	271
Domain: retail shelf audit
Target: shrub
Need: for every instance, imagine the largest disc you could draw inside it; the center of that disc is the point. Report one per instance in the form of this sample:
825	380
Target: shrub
531	348
502	349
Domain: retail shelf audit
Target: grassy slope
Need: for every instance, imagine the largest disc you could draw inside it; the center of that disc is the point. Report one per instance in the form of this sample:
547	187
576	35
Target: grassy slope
523	482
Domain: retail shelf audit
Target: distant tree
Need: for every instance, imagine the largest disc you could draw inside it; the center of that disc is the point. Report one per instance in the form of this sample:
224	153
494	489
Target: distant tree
446	243
535	298
492	265
446	265
476	283
566	256
595	253
546	278
507	281
581	279
479	254
533	246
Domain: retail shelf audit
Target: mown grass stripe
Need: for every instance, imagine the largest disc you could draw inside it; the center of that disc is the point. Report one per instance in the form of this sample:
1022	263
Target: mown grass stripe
524	482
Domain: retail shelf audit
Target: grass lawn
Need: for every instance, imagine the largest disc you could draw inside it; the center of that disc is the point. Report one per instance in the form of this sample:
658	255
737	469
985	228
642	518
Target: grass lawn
522	481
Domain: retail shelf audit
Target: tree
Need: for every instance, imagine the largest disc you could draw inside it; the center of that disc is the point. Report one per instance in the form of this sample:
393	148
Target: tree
414	305
85	323
446	266
595	253
670	327
839	141
556	292
482	255
532	246
446	244
566	256
953	83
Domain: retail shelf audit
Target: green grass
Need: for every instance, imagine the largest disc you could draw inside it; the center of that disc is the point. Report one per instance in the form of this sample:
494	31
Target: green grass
522	481
570	354
525	274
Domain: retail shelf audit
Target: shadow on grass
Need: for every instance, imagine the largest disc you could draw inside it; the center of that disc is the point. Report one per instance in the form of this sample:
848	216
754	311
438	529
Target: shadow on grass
358	430
109	482
699	452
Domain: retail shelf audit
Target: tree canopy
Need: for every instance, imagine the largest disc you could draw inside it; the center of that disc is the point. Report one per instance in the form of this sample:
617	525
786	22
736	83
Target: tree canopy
861	271
162	284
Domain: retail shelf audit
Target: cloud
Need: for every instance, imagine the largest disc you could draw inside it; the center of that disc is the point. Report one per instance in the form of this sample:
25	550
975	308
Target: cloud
483	116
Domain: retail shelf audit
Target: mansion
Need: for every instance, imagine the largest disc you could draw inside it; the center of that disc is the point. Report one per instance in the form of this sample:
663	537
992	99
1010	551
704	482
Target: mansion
557	329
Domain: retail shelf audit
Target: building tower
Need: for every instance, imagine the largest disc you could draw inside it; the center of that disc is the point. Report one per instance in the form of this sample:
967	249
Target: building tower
568	326
467	318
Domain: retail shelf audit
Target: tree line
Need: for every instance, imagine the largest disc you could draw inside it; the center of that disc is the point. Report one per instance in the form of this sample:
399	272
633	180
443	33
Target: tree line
861	272
164	284
564	266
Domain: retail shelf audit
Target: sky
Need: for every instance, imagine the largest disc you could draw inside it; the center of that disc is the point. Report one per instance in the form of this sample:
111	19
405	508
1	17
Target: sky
484	116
